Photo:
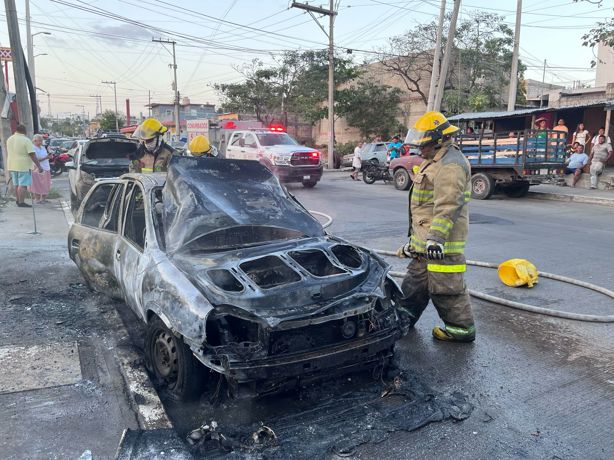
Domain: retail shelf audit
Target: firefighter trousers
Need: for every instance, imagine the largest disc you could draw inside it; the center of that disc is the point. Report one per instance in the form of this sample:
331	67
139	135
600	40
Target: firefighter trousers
443	282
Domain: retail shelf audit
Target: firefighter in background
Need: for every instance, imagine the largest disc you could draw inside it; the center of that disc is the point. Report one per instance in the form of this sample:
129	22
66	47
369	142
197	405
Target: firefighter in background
201	147
439	223
152	154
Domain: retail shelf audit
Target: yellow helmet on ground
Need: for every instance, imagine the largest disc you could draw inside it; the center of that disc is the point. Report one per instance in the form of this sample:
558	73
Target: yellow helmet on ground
518	272
199	145
149	129
429	128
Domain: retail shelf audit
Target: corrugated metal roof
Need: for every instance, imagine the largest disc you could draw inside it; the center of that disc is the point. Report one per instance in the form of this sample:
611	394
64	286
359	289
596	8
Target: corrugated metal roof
518	113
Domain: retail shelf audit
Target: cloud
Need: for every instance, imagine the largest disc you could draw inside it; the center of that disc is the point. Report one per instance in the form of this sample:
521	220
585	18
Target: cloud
122	31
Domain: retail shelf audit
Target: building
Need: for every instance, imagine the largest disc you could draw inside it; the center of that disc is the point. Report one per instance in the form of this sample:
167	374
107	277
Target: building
605	65
187	111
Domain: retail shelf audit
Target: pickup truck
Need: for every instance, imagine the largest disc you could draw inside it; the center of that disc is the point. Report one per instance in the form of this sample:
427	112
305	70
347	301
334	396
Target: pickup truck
513	164
286	159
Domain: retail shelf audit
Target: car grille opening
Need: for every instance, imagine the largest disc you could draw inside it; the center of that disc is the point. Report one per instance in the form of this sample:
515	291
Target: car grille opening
225	280
268	272
347	255
316	262
304	159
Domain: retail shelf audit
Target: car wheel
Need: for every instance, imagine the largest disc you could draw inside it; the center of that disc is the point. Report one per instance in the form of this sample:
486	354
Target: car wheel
517	190
367	177
402	181
172	363
310	183
482	186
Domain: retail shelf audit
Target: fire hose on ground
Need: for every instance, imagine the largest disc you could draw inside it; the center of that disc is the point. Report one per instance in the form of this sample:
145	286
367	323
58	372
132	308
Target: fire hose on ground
511	303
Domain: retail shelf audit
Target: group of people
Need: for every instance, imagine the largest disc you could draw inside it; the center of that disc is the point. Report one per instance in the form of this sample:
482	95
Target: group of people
28	165
30	170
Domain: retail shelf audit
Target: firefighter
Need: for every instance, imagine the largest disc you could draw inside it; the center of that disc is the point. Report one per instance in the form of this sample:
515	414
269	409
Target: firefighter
438	226
200	147
152	154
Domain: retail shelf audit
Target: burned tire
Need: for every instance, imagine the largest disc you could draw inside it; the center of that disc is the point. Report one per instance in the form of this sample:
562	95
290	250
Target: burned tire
482	186
402	181
175	370
517	190
310	183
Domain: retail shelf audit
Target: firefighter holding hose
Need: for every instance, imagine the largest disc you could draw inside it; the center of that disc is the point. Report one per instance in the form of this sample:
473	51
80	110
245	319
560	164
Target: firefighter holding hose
438	227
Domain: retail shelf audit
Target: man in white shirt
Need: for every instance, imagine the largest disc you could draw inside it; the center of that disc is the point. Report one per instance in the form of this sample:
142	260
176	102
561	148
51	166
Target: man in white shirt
356	161
600	155
575	163
595	139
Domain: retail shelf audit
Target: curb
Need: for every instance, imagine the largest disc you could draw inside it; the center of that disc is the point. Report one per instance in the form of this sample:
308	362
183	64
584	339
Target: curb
571	198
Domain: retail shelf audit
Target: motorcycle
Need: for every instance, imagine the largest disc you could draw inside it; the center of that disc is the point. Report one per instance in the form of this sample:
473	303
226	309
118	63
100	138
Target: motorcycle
58	163
373	170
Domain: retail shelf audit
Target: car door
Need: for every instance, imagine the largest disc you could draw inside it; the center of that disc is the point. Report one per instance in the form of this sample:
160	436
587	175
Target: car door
234	149
250	147
73	173
93	237
130	260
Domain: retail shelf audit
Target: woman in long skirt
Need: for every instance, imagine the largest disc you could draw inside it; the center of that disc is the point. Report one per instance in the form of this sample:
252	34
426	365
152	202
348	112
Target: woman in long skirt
41	182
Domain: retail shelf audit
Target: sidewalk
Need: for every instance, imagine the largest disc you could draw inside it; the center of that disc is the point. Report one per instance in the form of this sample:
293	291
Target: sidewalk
572	194
64	388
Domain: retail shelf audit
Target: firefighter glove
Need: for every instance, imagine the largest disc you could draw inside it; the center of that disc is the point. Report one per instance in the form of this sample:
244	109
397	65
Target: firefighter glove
404	251
434	250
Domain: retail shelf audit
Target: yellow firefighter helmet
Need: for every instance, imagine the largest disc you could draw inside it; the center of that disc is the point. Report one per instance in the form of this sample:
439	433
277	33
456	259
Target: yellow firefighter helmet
149	129
518	272
199	146
429	128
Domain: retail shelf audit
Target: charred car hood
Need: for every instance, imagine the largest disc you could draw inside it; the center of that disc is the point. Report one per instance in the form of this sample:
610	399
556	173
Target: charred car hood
288	280
213	204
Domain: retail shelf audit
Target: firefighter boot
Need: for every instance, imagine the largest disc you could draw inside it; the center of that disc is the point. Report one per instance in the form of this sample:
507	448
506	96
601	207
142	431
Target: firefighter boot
450	333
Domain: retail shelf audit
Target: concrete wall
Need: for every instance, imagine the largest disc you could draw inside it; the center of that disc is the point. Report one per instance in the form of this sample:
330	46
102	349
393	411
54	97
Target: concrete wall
605	65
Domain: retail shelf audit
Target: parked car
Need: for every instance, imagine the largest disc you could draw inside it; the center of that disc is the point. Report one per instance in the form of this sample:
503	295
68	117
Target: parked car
402	169
286	158
55	144
374	152
77	143
97	159
228	271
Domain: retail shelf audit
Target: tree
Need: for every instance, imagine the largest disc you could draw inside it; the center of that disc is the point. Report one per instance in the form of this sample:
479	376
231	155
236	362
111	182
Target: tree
479	68
370	107
107	121
603	32
297	82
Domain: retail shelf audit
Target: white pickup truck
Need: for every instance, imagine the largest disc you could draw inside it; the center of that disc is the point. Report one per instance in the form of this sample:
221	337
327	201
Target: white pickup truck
286	158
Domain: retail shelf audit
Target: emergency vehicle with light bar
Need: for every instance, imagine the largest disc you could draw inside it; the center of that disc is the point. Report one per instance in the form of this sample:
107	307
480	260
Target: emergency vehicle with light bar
273	147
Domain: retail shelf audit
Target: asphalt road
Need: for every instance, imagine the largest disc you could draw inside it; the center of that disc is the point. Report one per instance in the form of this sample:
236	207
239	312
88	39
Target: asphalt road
541	387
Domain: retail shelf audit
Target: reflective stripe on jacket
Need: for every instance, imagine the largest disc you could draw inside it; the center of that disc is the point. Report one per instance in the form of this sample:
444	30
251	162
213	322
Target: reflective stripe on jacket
438	201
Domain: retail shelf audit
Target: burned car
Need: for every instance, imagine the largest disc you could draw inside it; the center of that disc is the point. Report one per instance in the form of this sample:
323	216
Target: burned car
97	159
229	271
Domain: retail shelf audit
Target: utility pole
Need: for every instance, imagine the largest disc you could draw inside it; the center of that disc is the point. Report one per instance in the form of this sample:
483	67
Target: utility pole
177	121
511	99
97	106
49	104
19	68
436	57
5	129
331	13
446	57
149	105
541	96
115	96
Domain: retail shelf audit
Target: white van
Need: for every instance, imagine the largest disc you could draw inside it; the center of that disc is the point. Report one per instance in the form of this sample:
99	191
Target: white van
286	158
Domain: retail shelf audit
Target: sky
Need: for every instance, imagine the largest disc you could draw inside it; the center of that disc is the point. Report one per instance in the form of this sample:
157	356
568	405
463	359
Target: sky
215	37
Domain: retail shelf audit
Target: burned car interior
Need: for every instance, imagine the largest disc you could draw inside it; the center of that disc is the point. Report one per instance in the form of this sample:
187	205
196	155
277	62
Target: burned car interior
247	280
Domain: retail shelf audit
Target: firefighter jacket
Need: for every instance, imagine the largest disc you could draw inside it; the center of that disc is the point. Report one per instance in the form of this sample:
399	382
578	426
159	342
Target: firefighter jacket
146	162
438	201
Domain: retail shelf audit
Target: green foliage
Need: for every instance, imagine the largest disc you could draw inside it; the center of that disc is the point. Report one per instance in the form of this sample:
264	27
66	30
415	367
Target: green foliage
63	127
603	32
370	107
107	121
297	83
345	149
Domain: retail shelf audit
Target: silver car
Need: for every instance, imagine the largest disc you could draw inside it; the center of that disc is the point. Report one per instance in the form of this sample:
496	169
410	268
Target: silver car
233	278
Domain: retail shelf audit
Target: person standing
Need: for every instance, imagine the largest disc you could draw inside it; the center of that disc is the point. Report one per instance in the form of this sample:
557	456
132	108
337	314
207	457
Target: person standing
201	147
601	132
41	182
439	223
581	135
21	155
600	155
394	148
153	154
356	161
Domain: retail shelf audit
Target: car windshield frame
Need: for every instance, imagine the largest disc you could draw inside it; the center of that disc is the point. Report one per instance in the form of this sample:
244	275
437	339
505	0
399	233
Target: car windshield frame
264	136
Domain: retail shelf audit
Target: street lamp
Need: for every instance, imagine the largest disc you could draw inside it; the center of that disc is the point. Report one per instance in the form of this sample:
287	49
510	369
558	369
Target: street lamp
31	55
114	83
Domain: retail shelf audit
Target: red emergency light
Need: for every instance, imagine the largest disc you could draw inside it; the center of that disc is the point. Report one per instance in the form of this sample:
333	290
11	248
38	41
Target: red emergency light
277	128
230	125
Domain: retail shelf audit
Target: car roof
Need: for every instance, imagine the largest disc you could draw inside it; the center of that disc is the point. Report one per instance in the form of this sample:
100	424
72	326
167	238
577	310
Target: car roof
149	180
